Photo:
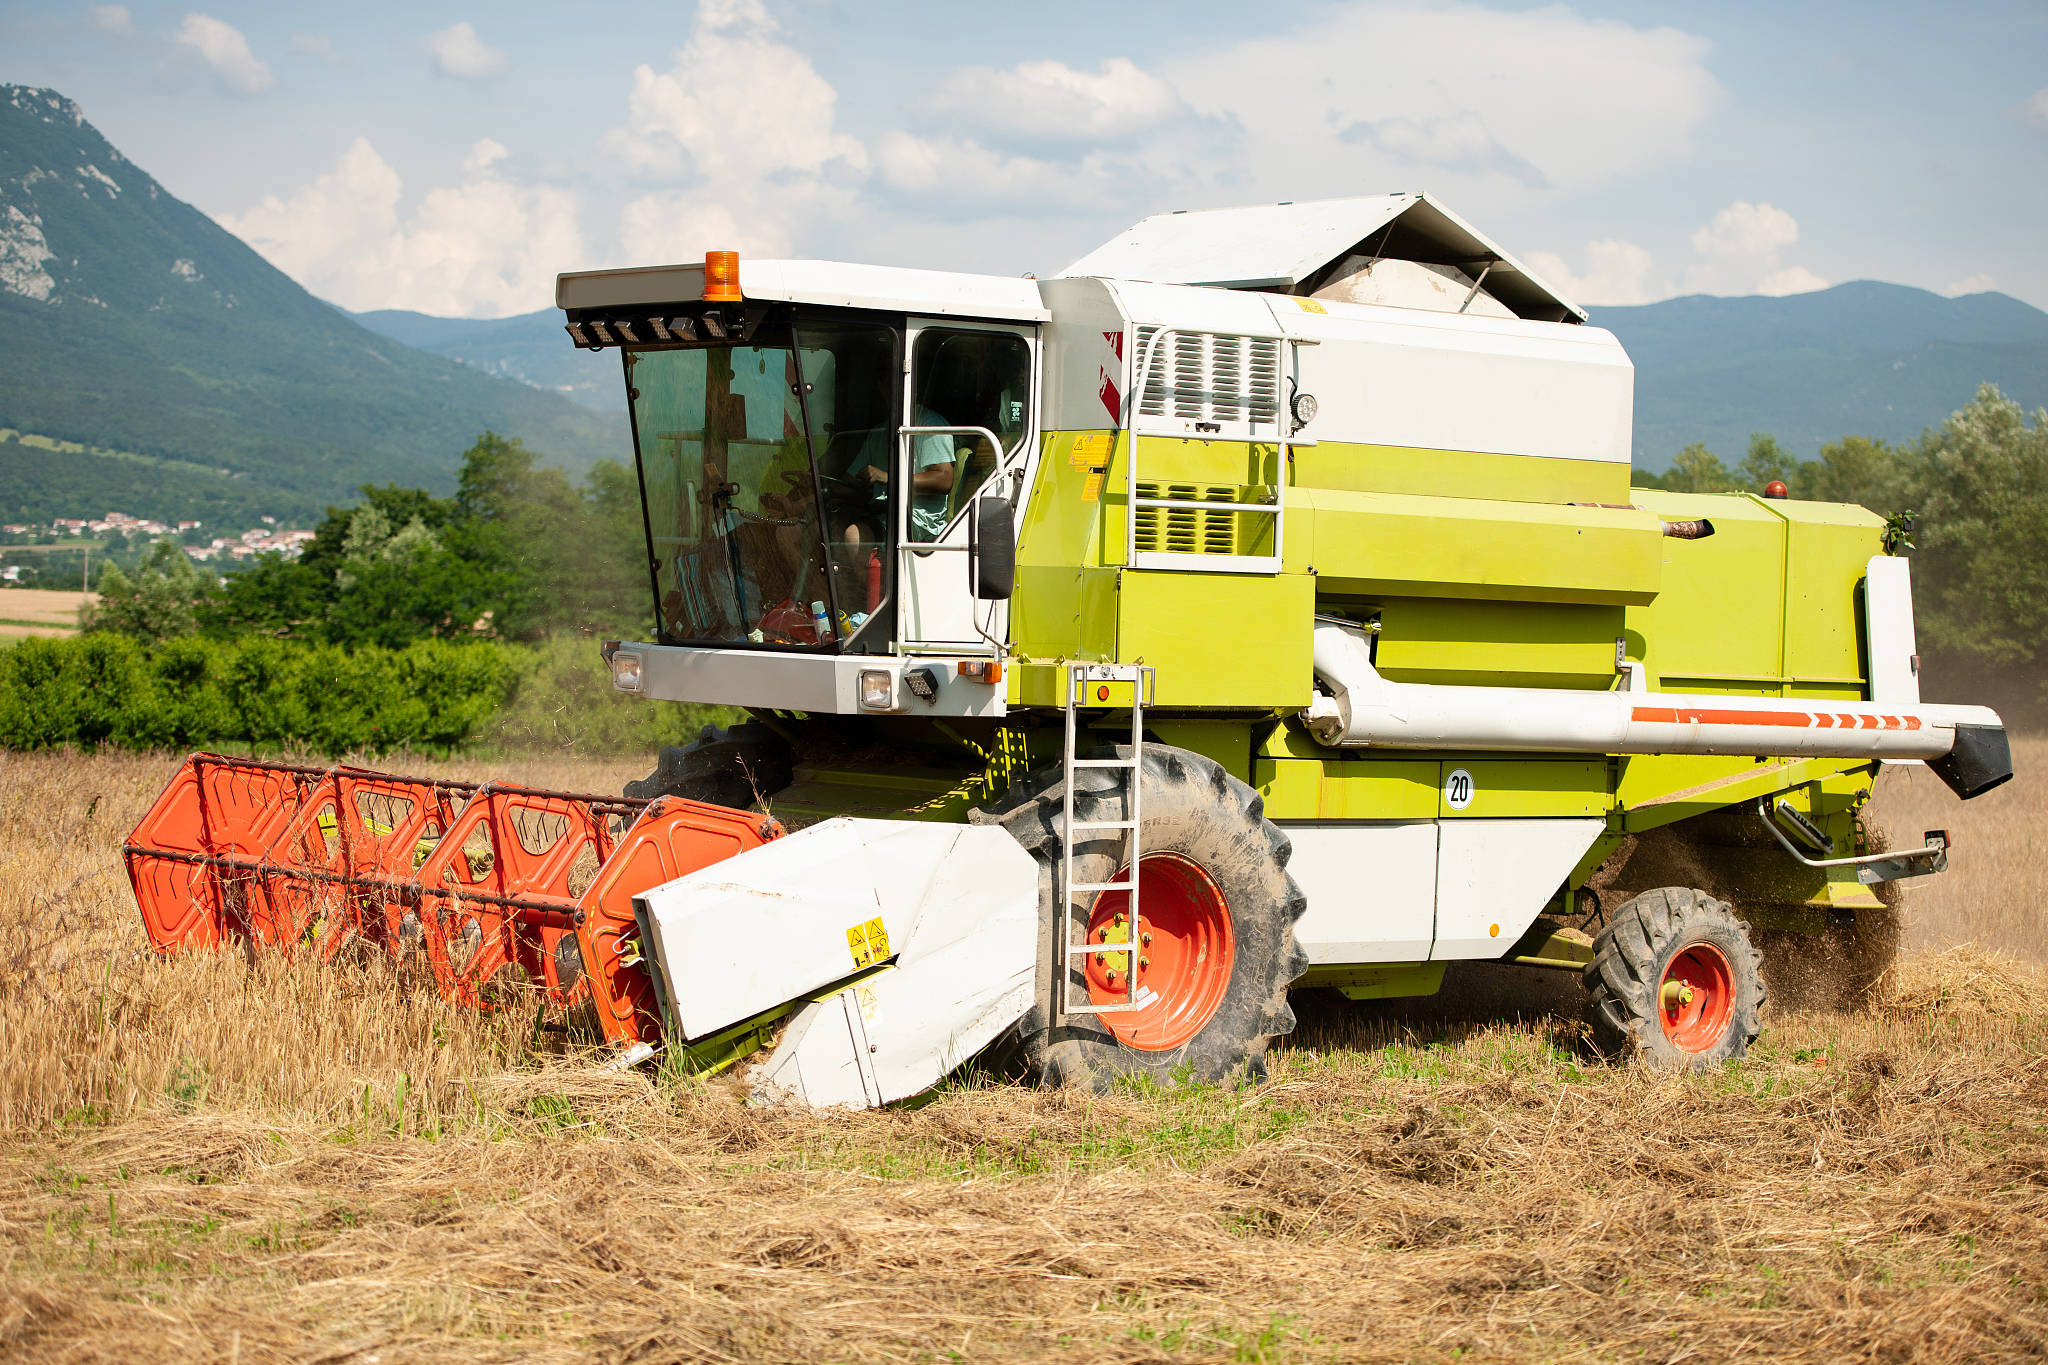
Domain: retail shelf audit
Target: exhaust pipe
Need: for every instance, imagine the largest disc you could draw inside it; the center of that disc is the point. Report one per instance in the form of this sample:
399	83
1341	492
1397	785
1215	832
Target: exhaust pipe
1357	708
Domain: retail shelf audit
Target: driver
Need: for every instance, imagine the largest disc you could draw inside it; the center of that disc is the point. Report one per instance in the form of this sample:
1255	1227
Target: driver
931	483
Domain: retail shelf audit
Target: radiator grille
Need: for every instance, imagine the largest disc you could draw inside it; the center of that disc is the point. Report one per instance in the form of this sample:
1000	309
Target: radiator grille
1191	530
1228	382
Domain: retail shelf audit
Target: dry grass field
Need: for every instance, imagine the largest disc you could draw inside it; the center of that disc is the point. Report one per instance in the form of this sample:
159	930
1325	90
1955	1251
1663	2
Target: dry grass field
220	1159
41	611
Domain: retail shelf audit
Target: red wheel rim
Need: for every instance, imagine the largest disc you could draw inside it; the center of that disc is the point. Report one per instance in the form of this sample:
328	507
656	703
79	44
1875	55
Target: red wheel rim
1696	998
1183	966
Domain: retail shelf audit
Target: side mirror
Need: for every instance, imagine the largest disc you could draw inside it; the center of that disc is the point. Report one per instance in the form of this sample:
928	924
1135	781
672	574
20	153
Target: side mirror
991	550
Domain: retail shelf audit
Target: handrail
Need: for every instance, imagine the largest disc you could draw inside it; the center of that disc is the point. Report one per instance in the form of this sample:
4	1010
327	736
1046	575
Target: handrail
1937	842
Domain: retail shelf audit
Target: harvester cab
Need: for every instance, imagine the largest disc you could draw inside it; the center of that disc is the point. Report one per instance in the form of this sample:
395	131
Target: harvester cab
1259	603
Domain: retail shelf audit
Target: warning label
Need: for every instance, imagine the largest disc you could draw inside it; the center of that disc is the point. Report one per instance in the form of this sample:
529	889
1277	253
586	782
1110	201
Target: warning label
868	942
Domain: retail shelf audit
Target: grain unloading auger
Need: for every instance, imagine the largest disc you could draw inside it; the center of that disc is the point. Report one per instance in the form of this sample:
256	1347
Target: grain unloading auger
1260	604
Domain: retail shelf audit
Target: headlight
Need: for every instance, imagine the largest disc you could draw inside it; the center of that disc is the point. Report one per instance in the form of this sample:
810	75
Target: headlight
626	670
877	689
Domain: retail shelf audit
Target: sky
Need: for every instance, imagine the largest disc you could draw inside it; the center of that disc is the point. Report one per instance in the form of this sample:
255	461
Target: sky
451	158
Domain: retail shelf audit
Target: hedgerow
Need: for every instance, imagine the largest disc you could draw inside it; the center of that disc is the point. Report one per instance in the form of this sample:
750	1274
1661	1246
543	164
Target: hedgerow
104	690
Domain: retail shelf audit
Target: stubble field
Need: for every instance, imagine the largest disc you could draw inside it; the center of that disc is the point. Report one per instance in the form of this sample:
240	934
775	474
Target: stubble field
220	1159
40	611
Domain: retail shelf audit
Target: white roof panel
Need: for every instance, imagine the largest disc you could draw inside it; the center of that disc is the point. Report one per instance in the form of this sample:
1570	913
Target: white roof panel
1264	246
1279	246
888	288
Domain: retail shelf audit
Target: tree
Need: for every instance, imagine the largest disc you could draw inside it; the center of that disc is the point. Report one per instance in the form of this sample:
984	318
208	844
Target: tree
1856	469
1698	470
272	596
1766	463
1982	563
158	601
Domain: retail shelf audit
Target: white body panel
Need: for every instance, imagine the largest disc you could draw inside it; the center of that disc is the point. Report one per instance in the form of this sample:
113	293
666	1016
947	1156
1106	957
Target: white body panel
1364	709
1888	631
937	611
1411	378
966	973
1371	889
1494	876
1387	376
805	682
1085	362
745	935
837	284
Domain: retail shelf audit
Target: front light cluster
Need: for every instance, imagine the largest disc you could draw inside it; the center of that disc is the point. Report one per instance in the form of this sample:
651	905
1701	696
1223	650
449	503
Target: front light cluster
626	666
877	689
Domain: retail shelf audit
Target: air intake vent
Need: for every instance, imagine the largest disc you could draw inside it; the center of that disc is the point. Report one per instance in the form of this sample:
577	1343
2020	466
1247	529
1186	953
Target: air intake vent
1187	531
1208	384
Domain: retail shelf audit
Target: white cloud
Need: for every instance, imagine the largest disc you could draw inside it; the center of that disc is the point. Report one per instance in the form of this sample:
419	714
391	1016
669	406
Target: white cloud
1454	142
317	45
2034	108
742	129
1050	100
1970	284
458	52
1793	279
1744	230
1740	250
114	19
487	153
682	226
957	175
223	48
1365	96
736	103
485	247
1617	274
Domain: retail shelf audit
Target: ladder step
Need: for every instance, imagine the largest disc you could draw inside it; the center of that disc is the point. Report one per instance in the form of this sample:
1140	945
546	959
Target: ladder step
1103	824
1105	762
1099	886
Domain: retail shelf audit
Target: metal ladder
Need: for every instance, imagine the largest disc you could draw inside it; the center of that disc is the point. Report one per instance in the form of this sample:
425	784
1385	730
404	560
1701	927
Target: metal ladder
1104	680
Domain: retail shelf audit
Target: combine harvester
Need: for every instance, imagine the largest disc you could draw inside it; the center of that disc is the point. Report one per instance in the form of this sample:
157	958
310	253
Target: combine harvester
1259	604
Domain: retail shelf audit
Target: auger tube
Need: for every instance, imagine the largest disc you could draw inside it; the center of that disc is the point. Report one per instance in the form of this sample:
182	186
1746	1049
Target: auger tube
1357	708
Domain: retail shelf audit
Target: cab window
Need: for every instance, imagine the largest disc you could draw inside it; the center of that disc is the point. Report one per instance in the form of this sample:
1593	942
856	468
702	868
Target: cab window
962	379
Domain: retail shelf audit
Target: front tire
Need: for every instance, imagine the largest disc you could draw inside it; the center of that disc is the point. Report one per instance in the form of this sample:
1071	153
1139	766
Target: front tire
1675	982
1214	944
738	767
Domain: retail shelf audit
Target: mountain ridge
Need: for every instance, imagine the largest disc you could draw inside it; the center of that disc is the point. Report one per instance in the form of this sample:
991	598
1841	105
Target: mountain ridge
130	321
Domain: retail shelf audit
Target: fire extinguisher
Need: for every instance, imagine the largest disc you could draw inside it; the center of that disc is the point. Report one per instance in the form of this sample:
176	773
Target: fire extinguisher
874	580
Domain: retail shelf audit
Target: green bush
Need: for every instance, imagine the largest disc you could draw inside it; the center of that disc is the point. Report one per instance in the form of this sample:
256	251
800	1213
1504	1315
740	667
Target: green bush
566	702
195	693
99	689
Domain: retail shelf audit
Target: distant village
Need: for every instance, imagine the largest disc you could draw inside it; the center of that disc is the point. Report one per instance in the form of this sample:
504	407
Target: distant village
269	538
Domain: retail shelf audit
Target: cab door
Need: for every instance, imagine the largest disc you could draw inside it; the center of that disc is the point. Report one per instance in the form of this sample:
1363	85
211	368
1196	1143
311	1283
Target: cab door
969	425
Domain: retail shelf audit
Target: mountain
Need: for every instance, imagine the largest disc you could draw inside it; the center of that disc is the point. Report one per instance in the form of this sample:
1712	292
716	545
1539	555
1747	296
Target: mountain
530	348
159	362
1863	358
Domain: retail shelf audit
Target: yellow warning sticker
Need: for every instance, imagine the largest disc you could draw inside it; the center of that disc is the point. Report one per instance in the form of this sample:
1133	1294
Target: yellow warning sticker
1090	456
1311	306
868	942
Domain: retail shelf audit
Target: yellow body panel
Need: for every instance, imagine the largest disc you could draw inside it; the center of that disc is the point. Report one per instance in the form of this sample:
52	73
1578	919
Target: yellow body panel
1413	546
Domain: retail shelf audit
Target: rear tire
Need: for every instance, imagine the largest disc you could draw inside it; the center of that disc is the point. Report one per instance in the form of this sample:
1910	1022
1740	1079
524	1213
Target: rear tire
1675	982
1215	895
